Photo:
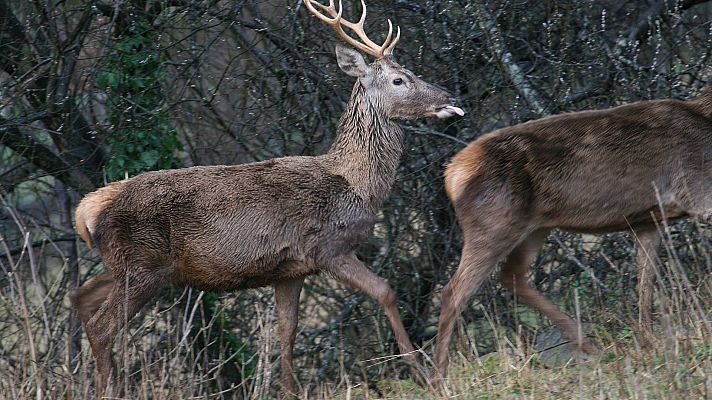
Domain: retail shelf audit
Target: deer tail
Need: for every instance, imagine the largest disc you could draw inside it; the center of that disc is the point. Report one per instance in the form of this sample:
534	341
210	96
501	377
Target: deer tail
89	208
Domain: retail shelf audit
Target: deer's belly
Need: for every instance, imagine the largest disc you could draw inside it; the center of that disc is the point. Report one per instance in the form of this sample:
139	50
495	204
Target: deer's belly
229	276
612	221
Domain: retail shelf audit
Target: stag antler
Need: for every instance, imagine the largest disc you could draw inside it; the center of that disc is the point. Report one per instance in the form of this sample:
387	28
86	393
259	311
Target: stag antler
366	45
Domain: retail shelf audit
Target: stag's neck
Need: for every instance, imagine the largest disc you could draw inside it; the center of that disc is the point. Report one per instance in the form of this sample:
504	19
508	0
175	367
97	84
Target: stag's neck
367	148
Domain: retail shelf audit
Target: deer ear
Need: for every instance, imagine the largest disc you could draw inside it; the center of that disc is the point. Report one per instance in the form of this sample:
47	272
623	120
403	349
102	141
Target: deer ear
351	62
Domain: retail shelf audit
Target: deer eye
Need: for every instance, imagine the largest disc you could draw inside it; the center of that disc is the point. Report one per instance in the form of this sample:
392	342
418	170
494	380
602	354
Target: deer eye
398	81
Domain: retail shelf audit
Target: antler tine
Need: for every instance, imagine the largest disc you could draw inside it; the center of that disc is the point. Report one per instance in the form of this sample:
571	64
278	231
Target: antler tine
366	45
336	21
358	28
389	49
388	38
330	8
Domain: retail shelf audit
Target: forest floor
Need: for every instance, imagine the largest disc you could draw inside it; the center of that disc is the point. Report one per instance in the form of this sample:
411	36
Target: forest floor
677	365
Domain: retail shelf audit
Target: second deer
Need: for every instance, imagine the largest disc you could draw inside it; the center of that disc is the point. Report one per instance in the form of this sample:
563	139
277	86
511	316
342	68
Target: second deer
275	222
593	171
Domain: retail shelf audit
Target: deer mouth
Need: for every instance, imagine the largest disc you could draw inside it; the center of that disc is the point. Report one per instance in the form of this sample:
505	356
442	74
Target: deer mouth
449	111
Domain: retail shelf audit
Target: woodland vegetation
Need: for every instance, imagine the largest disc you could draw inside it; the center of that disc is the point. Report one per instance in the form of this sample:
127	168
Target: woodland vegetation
92	91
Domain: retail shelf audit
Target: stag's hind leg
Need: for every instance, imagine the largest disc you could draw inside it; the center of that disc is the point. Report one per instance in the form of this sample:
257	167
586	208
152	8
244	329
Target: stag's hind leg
87	298
514	278
125	298
286	296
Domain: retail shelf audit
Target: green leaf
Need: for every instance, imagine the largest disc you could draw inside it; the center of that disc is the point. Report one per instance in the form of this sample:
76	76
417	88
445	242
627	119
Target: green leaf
150	158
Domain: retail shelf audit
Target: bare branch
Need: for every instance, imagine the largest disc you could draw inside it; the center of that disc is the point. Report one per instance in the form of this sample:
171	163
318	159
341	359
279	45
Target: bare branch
641	29
42	157
489	24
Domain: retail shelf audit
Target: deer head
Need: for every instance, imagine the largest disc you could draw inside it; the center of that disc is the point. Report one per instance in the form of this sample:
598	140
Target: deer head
393	90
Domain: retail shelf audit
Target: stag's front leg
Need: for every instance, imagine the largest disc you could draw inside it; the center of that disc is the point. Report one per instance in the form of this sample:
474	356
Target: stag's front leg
351	271
286	296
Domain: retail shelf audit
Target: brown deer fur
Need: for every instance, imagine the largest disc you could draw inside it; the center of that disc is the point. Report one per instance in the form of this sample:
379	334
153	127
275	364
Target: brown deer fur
274	222
590	171
92	204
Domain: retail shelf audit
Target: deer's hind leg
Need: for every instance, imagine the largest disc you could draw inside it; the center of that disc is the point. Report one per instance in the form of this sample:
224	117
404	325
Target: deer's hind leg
483	248
126	296
87	298
514	278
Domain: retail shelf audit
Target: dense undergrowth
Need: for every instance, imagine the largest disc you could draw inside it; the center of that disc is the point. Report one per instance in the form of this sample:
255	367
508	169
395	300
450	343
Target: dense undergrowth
170	352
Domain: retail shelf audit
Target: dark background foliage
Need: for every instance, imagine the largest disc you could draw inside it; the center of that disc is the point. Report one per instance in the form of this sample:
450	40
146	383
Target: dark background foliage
95	90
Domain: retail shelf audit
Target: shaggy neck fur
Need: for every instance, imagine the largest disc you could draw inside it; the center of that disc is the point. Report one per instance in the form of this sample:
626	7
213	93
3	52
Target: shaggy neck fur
367	148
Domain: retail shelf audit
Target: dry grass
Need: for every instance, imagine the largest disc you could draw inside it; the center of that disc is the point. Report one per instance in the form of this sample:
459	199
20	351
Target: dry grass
164	358
679	366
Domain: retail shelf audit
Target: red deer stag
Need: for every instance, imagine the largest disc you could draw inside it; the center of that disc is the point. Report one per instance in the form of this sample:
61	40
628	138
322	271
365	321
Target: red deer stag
591	171
221	228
